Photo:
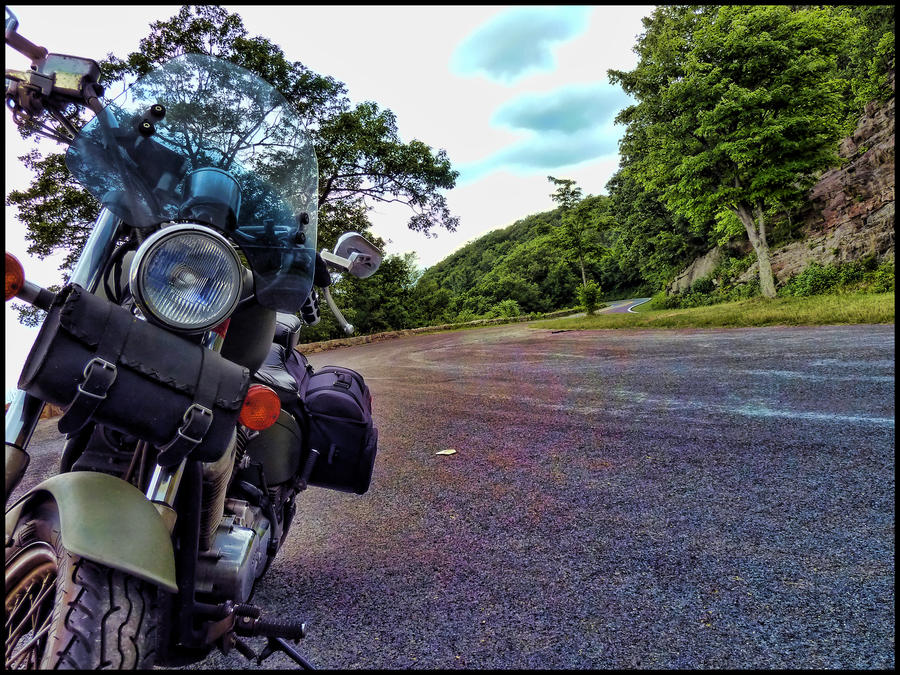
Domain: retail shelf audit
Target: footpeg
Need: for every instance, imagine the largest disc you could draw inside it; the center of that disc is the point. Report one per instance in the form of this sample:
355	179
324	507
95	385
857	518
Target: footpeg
247	623
249	626
272	645
243	620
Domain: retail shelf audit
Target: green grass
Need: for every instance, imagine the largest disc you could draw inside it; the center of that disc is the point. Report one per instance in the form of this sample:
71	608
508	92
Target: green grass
807	311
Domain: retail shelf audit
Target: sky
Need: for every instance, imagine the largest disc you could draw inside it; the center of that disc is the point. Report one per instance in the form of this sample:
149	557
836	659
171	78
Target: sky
511	93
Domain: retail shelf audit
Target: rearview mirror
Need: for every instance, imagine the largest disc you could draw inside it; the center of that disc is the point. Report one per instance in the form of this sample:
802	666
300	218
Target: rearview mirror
359	256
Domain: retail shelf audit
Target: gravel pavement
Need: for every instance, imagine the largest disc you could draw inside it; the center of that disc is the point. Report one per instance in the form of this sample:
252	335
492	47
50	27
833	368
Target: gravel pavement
617	499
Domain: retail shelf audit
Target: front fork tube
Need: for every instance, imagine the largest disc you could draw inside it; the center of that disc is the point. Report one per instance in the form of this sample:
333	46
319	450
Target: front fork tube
162	490
25	410
21	418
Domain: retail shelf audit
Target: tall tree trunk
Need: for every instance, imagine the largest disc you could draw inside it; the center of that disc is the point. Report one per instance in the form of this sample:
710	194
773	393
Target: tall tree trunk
583	275
756	231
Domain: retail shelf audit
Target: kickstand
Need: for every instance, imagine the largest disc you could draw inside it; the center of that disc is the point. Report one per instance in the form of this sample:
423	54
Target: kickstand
274	644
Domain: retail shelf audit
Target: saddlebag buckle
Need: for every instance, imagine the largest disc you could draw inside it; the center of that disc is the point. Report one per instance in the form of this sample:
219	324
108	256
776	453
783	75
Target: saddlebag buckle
197	420
99	376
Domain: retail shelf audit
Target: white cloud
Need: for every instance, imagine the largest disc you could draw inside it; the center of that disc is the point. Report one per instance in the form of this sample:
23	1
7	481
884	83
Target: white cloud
518	42
568	109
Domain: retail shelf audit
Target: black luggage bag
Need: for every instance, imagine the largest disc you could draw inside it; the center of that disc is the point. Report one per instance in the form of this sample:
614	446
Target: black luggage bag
340	430
333	408
100	363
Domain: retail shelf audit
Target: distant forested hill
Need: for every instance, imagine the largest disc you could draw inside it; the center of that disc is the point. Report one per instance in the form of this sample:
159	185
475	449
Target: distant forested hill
530	266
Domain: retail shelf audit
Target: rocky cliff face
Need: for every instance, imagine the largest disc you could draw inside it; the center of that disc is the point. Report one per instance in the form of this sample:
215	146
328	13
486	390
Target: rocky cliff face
700	268
850	212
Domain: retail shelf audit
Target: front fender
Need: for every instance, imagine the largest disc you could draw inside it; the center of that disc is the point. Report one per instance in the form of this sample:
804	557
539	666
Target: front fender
104	519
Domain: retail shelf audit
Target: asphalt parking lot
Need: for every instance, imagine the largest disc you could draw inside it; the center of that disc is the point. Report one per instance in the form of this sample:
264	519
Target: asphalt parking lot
617	499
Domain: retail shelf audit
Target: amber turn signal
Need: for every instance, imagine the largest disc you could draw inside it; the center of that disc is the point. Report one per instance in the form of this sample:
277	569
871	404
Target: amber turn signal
261	408
15	276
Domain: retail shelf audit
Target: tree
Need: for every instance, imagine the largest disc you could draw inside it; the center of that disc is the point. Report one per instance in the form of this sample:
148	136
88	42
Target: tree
574	228
58	207
588	296
55	206
739	108
429	302
500	285
361	157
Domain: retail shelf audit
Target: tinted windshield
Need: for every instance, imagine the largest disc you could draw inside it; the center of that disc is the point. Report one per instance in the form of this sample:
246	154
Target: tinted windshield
229	151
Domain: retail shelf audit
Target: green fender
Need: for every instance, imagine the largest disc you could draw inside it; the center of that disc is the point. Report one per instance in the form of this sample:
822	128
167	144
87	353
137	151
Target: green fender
104	519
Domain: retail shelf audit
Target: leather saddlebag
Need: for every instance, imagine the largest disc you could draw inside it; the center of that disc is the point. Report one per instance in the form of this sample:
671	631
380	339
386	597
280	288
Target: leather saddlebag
100	363
338	407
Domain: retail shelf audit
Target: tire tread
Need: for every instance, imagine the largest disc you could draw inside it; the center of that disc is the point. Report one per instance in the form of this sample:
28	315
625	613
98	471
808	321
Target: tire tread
103	618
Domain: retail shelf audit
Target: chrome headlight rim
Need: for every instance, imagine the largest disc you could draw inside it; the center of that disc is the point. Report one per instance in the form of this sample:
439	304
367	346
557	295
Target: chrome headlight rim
139	268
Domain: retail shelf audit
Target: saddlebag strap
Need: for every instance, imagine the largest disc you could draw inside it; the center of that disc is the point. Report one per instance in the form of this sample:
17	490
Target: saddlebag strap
197	419
100	372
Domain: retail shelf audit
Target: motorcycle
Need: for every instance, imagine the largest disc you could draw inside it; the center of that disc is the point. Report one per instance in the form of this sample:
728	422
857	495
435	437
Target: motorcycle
192	423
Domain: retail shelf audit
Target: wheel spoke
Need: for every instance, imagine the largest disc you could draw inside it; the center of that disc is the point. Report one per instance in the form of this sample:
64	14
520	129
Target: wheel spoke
28	615
35	604
28	646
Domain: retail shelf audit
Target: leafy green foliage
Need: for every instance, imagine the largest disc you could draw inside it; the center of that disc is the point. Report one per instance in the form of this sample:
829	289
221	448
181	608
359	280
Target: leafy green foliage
58	211
589	296
648	242
506	309
582	222
871	57
528	263
704	285
865	274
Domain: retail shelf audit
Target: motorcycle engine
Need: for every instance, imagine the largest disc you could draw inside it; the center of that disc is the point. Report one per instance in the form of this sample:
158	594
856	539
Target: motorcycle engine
237	556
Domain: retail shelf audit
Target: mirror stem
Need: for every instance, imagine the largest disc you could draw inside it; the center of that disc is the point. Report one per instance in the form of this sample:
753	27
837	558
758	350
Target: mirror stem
348	328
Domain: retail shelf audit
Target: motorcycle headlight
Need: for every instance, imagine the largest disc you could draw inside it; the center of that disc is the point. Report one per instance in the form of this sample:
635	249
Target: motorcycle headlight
186	277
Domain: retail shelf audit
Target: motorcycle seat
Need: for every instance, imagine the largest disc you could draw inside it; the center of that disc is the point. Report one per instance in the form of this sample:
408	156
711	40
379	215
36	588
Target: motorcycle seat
287	330
286	371
274	373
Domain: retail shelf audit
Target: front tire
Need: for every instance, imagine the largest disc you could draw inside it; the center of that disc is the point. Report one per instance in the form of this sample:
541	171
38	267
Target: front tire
64	611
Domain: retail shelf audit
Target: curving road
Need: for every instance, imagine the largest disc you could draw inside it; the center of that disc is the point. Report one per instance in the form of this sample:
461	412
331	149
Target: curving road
616	307
617	499
623	306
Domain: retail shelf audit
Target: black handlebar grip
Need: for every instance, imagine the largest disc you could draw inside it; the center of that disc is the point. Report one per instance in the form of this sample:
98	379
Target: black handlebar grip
322	277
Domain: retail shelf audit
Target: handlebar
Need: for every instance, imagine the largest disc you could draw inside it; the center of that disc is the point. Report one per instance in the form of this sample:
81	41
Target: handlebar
26	47
53	82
